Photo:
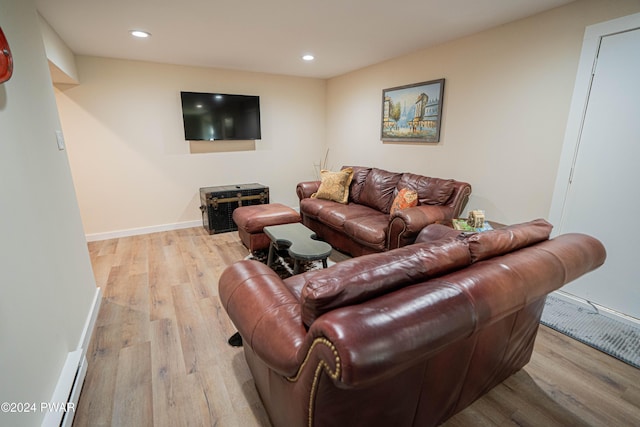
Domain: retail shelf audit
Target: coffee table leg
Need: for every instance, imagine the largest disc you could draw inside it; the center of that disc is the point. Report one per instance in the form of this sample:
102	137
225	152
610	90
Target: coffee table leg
324	263
296	267
272	251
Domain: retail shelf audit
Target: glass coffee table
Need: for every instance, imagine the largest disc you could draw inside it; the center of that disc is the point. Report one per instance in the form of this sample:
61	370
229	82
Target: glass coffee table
299	241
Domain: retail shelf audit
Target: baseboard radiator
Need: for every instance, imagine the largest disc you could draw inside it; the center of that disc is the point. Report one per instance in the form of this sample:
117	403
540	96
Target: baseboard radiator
62	407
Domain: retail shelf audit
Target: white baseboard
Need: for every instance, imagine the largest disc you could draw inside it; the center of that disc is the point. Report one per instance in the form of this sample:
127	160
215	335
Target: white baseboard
611	314
94	237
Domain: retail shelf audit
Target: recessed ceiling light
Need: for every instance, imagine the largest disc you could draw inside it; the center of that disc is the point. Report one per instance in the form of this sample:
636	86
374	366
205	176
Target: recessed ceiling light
140	34
308	57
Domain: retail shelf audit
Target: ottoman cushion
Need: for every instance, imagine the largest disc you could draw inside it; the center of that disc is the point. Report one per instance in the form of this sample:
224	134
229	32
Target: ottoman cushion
253	219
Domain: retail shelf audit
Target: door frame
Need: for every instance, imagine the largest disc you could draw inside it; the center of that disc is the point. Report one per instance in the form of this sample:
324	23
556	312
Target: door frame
582	88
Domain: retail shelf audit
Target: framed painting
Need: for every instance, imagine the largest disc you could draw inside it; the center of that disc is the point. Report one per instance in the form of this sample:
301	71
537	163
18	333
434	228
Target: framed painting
412	113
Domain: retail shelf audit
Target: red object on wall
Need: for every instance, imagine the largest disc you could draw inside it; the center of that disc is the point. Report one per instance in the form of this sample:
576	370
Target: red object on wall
6	61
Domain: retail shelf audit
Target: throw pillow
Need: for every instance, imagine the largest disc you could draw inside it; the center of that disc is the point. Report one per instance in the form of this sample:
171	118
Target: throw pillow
405	199
334	185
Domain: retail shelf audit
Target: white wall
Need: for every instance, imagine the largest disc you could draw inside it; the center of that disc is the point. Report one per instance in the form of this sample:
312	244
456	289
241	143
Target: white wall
132	167
62	62
46	282
506	102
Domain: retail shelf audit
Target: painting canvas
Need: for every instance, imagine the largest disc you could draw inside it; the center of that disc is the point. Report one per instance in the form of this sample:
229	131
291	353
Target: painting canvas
413	112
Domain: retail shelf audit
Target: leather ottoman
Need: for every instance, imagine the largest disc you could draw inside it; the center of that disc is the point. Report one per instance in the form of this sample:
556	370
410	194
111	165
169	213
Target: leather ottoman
252	219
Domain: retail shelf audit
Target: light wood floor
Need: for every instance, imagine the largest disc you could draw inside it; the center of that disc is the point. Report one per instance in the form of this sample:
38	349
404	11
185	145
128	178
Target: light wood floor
159	356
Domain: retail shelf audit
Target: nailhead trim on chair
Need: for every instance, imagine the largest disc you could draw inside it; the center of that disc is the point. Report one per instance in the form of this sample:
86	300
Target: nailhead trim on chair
316	376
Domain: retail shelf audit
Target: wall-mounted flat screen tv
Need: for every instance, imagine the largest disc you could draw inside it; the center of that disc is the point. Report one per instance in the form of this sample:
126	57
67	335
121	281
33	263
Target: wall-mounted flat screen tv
219	116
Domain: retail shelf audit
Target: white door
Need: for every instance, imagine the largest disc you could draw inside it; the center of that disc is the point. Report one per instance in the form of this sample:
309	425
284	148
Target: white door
603	195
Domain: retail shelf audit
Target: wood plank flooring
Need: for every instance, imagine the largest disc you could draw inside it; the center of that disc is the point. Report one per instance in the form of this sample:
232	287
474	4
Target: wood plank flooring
159	356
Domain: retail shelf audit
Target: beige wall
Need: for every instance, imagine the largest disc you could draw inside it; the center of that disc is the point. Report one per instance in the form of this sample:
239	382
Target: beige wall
132	167
506	103
507	97
46	282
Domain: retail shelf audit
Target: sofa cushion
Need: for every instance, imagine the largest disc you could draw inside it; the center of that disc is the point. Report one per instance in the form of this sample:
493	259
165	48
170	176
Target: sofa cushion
488	244
336	215
405	199
359	279
379	189
334	185
370	230
357	182
312	207
431	191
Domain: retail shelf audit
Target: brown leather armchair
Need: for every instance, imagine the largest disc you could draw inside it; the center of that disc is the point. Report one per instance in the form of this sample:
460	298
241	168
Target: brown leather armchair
407	337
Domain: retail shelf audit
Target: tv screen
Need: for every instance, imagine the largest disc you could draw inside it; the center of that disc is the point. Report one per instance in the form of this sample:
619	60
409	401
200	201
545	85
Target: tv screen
219	116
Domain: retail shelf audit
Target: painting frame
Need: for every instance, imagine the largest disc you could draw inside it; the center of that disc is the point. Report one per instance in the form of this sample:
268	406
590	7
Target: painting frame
412	113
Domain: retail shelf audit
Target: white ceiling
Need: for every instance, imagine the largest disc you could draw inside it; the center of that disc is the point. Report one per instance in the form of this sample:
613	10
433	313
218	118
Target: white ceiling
270	36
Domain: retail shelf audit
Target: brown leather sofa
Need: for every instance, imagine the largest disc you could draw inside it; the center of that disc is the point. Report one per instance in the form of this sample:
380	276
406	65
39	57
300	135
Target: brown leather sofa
364	225
407	337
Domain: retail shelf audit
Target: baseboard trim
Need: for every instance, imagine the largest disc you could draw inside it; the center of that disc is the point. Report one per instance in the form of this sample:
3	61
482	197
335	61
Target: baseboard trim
611	314
94	237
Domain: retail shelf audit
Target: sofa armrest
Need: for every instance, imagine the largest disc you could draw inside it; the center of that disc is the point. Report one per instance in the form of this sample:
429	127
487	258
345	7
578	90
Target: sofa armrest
265	313
380	338
304	190
459	198
406	224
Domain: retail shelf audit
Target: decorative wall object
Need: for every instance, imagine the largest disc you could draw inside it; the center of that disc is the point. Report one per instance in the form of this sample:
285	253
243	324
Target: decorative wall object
412	113
6	60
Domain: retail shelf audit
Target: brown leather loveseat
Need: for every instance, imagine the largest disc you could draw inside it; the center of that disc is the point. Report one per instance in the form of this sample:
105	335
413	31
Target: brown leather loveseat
364	225
407	337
